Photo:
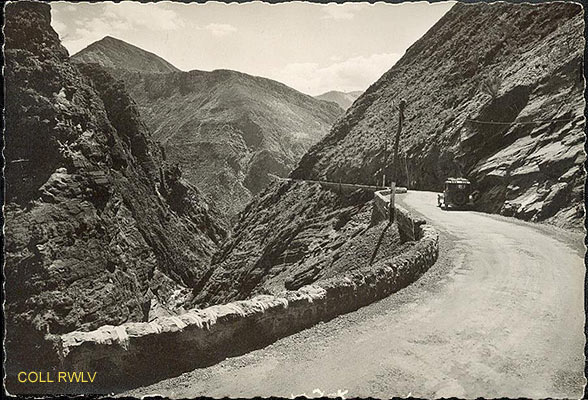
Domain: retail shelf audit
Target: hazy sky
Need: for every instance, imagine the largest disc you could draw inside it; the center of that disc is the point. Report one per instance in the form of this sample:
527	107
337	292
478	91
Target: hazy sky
311	47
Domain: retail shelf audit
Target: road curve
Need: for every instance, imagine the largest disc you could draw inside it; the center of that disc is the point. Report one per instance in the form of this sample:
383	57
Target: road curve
501	314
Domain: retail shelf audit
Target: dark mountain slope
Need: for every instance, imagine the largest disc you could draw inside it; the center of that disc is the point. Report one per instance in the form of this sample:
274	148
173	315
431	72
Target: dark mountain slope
115	53
296	233
227	129
99	230
531	171
343	99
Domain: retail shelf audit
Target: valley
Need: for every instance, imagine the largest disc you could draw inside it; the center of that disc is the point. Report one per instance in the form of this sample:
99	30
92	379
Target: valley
227	130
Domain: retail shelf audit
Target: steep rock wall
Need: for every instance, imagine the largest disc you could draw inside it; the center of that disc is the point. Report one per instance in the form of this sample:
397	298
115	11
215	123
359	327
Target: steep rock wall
99	230
532	171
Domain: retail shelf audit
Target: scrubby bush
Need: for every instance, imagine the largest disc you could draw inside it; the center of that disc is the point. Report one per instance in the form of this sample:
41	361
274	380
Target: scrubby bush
491	85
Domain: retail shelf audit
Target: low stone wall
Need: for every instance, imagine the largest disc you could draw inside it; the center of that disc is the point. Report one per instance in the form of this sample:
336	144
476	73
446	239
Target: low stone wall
408	224
135	354
342	187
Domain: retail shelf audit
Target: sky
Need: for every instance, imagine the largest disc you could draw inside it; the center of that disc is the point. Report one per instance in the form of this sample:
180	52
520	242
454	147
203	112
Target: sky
313	48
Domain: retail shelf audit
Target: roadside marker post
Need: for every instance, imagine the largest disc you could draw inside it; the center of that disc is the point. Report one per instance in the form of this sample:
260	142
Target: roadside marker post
392	209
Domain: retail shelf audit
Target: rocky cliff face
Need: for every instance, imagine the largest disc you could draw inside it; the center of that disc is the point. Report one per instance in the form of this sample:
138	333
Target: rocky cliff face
99	229
228	130
521	166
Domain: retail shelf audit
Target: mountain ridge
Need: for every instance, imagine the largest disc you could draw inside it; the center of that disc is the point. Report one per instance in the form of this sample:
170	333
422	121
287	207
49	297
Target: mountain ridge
229	130
516	168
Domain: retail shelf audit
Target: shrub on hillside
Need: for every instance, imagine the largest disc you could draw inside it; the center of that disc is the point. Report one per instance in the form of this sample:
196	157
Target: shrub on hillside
491	86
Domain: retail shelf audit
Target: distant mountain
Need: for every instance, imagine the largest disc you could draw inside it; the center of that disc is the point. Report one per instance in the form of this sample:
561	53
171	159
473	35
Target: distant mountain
226	129
115	53
344	99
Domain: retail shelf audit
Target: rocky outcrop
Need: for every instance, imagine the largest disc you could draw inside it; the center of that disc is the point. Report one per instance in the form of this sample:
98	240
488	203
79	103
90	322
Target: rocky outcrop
293	233
521	166
99	229
227	130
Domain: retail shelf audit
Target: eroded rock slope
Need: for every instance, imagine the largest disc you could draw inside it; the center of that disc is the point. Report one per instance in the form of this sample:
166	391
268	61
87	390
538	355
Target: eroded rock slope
226	129
531	170
293	234
99	229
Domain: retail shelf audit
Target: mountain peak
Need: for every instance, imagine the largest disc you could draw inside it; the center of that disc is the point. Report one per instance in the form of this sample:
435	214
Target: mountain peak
343	99
112	39
115	53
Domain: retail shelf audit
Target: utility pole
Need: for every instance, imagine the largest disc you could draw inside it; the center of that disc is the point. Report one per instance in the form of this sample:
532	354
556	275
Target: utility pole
394	174
408	184
385	162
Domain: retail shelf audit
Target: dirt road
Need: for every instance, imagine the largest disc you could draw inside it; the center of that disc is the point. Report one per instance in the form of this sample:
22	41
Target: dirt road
499	315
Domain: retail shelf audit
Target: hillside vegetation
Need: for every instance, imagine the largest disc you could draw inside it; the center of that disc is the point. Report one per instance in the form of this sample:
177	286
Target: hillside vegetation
102	226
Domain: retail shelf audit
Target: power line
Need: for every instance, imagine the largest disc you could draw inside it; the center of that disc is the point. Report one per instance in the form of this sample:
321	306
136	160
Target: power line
544	121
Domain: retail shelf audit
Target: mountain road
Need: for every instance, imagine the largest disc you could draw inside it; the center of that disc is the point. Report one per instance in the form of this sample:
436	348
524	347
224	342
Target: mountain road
501	314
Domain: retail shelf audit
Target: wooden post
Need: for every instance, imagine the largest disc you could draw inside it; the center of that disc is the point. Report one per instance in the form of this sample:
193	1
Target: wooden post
394	175
385	161
391	209
407	173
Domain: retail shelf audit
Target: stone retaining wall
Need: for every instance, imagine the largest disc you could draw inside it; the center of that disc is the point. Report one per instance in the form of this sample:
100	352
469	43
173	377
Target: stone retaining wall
408	224
135	354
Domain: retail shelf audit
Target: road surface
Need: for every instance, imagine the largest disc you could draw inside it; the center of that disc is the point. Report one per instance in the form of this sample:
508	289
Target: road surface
499	315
